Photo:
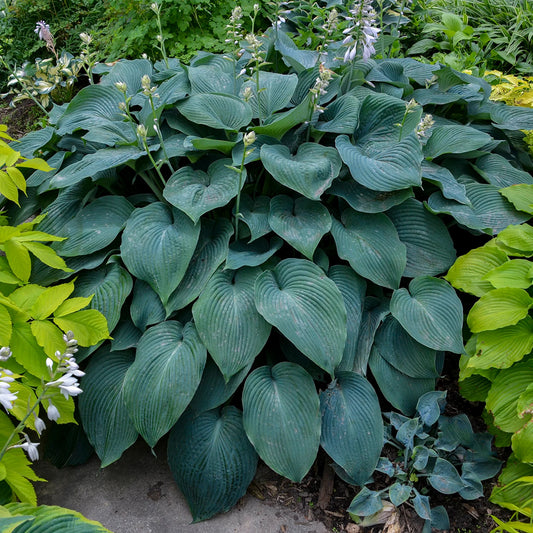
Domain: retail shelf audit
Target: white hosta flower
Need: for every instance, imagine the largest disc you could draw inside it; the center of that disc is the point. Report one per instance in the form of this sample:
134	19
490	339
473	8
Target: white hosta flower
249	138
6	396
5	353
29	447
43	30
86	38
424	126
40	426
52	412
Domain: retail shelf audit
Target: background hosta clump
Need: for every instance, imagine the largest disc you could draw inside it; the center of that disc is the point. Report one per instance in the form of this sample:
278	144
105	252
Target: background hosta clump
281	229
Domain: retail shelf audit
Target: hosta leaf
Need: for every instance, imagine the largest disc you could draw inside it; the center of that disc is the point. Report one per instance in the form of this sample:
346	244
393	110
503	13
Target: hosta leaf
353	289
399	493
161	382
228	322
125	336
469	271
517	239
454	139
146	308
254	213
252	254
498	171
89	107
366	200
213	79
370	243
521	442
521	196
445	180
511	117
213	391
301	222
95	226
514	273
514	485
502	347
128	71
211	250
293	55
341	116
383	166
307	307
157	246
309	172
503	397
92	163
401	351
431	313
429	246
102	408
352	428
110	285
275	92
499	308
196	192
367	502
211	460
219	111
445	478
281	415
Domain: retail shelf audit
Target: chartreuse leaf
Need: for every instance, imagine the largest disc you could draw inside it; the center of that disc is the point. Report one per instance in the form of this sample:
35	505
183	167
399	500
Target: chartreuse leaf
47	518
514	485
370	243
522	440
307	307
95	226
352	288
210	252
103	411
50	299
300	222
502	400
5	326
469	271
219	111
161	382
383	166
352	427
157	246
26	350
211	460
18	258
196	192
47	255
499	308
281	415
430	249
89	326
517	238
454	139
228	322
48	335
310	171
431	313
514	273
502	347
521	196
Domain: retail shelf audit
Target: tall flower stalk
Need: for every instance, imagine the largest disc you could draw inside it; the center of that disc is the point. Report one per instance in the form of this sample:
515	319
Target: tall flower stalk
156	8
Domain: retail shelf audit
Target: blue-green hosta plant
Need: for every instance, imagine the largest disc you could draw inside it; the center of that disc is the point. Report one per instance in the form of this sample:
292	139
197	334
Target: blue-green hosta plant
263	231
429	449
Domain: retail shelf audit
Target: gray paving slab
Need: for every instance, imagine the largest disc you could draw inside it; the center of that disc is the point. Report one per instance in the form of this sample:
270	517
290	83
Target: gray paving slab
138	495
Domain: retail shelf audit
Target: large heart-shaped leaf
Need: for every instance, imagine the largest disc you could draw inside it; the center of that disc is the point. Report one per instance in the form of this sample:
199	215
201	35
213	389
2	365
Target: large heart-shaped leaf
281	415
211	460
341	116
383	166
353	289
254	213
301	222
210	252
219	111
352	428
307	307
196	192
157	246
228	322
309	172
445	180
498	171
102	409
110	285
213	79
431	313
454	139
146	308
252	254
370	243
163	379
130	72
429	246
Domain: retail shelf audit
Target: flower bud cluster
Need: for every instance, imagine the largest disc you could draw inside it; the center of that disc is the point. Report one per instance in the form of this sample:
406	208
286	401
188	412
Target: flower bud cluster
320	86
361	30
234	28
424	126
146	85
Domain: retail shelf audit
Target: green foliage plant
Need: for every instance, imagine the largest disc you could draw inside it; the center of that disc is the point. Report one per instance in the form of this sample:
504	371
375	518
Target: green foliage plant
430	449
260	342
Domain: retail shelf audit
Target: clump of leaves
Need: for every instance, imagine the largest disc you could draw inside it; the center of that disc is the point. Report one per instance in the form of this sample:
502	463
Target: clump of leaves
430	449
278	220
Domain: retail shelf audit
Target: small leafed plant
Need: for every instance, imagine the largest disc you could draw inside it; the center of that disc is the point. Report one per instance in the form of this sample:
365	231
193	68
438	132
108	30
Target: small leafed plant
263	230
430	449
